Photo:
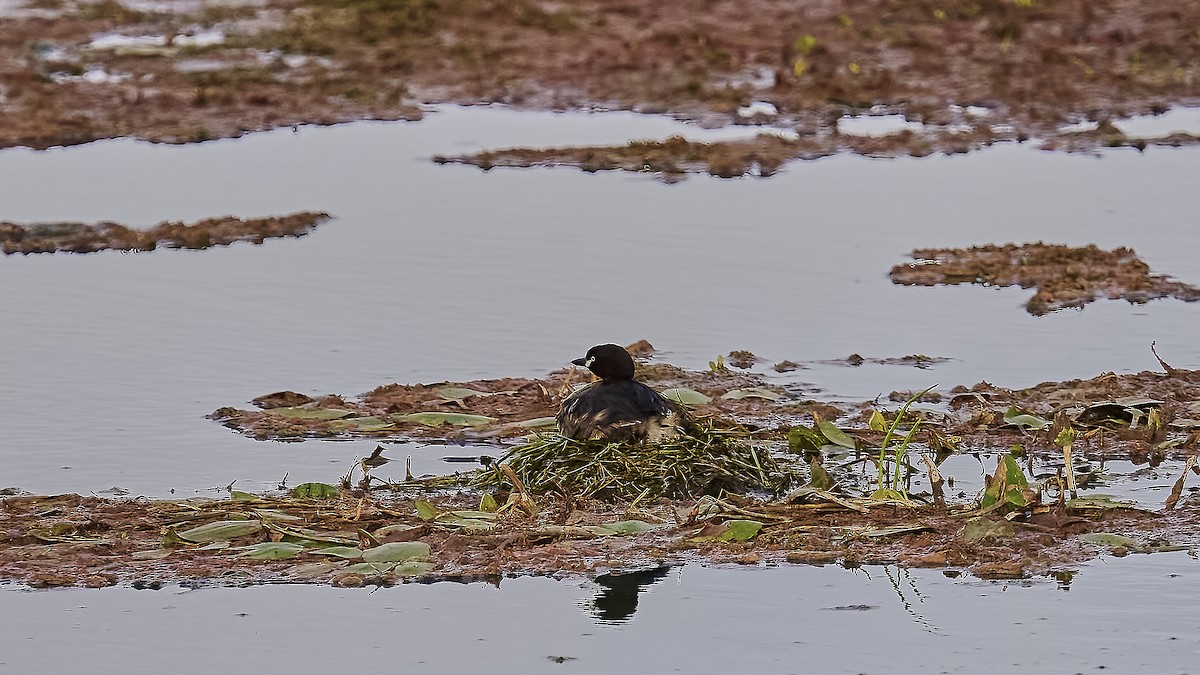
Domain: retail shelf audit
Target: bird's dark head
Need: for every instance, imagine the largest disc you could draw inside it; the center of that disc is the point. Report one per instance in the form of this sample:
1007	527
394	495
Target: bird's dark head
610	363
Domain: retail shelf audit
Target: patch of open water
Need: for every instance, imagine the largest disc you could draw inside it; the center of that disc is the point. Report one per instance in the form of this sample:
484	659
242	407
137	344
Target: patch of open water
110	361
1121	615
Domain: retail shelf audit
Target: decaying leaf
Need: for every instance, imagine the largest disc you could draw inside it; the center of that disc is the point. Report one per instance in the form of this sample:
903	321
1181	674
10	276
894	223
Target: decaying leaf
222	529
436	419
685	396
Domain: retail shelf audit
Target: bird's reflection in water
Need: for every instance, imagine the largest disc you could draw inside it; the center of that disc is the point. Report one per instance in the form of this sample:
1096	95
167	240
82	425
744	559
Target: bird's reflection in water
618	596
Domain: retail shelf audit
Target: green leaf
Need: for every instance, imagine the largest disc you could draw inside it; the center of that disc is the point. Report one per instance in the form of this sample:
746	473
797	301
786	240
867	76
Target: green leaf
461	393
751	392
819	478
835	435
239	496
1025	420
740	530
427	511
629	527
348	552
270	550
437	419
685	396
1008	484
152	554
877	422
315	491
979	528
397	551
803	440
414	568
273	515
487	503
369	568
371	423
1099	501
222	529
1111	540
535	423
306	413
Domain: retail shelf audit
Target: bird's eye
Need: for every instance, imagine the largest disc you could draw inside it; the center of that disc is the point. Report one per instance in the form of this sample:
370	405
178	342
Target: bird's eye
588	363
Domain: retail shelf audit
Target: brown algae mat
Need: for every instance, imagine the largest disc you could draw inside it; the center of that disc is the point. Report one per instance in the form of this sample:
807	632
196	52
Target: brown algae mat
89	238
845	493
1063	276
973	72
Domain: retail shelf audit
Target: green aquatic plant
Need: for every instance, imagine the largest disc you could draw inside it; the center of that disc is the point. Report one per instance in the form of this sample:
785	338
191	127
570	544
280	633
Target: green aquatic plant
889	484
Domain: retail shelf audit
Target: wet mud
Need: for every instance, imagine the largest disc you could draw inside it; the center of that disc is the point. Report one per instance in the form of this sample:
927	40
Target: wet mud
1063	276
971	72
72	540
90	238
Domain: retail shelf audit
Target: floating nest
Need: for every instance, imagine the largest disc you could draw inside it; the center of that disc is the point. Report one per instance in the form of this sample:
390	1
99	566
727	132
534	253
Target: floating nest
704	460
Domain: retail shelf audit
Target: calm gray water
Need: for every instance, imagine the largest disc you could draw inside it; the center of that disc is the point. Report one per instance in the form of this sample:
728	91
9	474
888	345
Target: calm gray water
1130	615
110	361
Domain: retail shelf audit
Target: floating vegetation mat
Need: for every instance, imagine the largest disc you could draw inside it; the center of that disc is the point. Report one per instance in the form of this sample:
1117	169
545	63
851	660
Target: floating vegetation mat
706	460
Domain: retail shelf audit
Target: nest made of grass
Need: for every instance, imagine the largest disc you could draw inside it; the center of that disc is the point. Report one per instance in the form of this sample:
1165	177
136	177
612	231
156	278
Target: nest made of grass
704	460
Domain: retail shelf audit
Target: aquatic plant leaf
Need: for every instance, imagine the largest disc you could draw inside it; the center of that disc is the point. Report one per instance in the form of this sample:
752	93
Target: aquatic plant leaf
1007	485
461	393
369	568
629	527
751	392
437	419
315	491
272	514
348	552
890	495
877	422
306	536
413	568
535	423
152	554
305	413
221	529
370	423
468	524
313	570
1099	501
427	511
239	496
397	551
1111	540
270	550
819	477
740	530
487	503
1015	417
980	527
802	440
835	435
388	530
685	396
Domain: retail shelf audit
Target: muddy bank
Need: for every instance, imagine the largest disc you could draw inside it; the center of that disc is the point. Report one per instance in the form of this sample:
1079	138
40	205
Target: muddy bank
1063	276
89	238
972	72
355	539
502	411
673	159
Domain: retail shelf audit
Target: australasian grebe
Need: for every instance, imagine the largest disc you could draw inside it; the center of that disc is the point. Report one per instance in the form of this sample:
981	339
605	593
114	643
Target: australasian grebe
617	408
